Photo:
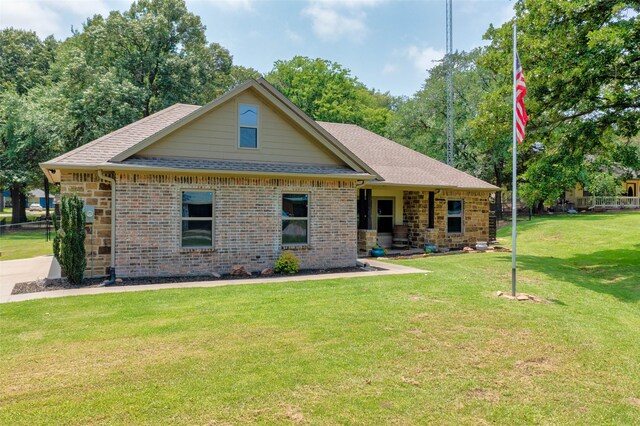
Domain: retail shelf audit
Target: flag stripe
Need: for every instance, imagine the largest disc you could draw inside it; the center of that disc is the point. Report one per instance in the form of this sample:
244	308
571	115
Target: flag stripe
521	91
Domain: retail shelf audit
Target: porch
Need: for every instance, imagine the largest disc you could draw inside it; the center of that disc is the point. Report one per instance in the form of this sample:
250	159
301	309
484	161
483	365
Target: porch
405	218
595	202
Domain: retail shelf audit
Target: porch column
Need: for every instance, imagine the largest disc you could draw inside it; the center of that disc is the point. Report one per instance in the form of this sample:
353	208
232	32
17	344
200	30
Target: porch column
365	204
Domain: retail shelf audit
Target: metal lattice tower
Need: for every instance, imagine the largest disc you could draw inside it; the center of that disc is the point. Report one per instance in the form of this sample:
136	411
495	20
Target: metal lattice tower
449	81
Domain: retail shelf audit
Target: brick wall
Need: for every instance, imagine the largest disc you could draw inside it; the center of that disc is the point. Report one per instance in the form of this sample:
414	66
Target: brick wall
247	226
475	223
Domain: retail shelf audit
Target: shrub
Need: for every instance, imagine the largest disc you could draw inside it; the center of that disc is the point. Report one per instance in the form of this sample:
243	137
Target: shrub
287	263
72	234
56	236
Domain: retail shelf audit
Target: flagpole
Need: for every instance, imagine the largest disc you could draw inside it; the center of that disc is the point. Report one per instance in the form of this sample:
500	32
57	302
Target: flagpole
514	208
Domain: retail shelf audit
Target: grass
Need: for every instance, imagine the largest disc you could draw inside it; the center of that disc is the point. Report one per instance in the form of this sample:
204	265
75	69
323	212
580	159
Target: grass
24	244
6	214
434	347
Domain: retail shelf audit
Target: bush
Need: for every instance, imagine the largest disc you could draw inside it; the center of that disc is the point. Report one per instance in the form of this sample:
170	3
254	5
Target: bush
56	237
287	263
72	255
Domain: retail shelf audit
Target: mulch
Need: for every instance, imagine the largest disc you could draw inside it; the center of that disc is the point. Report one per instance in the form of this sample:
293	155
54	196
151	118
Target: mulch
48	284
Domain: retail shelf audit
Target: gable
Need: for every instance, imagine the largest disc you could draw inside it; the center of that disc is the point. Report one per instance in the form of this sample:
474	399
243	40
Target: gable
214	136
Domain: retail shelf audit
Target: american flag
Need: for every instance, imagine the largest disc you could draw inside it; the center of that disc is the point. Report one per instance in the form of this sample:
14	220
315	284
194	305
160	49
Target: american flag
521	112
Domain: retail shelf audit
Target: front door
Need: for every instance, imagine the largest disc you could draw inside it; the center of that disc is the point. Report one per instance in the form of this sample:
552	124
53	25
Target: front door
384	221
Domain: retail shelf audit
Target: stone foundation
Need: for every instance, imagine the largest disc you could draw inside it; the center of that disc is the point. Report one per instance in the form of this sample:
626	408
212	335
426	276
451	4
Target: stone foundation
367	239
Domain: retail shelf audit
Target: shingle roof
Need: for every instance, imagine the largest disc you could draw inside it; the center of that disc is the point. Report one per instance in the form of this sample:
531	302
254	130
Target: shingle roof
400	165
103	149
396	164
239	166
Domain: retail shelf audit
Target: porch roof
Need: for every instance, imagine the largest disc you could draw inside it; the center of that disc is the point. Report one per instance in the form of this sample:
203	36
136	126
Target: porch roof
399	165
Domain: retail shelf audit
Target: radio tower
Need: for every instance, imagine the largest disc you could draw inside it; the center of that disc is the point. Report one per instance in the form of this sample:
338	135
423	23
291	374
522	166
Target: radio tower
448	59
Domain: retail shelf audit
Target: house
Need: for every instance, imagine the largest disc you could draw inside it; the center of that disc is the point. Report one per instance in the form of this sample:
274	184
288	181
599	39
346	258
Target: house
580	198
196	189
37	196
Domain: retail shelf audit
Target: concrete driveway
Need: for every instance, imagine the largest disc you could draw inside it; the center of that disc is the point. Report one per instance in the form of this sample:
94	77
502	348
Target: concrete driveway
21	270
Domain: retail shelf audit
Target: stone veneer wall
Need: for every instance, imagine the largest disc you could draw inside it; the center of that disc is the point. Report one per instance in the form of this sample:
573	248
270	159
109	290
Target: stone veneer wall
367	239
475	222
247	222
97	193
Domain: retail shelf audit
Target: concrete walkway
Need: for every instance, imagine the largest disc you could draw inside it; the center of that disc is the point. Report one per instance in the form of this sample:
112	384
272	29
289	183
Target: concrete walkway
21	270
386	269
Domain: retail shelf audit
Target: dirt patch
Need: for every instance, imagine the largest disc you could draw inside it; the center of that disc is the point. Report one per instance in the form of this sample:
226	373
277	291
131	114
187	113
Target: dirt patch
483	395
538	364
294	414
423	316
48	284
634	401
410	381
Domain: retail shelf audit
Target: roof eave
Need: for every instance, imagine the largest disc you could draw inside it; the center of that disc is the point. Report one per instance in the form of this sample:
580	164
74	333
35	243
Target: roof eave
47	167
430	187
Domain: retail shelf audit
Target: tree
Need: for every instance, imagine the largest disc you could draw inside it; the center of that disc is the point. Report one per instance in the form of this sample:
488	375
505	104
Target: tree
24	60
24	65
240	74
480	148
159	47
582	65
29	134
326	91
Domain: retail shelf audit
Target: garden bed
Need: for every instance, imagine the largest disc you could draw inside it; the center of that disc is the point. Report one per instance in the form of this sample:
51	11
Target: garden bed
48	284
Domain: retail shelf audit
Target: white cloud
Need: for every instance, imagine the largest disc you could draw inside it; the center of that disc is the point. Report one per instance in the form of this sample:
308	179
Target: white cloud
336	19
390	69
294	36
79	7
30	16
423	58
46	17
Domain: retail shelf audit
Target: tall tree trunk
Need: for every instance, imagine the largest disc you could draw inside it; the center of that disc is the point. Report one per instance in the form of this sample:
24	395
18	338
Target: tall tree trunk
19	212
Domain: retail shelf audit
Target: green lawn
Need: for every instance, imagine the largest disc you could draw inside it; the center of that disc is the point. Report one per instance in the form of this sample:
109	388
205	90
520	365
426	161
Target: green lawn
432	348
24	244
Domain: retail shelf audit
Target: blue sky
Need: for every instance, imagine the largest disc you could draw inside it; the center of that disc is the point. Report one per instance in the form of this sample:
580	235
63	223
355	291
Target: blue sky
387	44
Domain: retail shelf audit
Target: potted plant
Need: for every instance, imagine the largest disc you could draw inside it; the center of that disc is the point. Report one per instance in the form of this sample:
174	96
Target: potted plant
430	248
378	251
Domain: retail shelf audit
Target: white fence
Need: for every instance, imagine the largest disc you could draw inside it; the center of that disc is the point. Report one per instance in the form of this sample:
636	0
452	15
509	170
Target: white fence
608	202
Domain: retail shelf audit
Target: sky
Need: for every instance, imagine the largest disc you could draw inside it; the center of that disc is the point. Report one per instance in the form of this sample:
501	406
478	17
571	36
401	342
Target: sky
388	45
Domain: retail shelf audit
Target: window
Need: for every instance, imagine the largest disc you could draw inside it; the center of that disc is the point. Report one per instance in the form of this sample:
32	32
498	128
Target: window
248	119
454	216
295	219
197	219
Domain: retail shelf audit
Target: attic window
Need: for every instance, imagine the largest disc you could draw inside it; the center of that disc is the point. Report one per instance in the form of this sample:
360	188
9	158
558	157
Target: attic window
248	121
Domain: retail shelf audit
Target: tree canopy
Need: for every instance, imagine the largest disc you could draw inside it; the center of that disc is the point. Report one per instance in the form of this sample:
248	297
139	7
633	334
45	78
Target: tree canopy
582	65
326	91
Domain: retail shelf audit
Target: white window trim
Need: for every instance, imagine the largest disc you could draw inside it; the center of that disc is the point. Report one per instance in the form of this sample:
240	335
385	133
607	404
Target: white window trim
307	218
257	126
212	219
461	216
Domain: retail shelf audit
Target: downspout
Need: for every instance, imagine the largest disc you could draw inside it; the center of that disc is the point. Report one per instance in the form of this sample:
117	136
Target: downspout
112	268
